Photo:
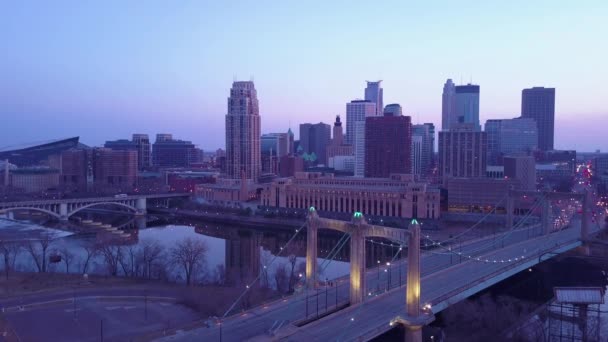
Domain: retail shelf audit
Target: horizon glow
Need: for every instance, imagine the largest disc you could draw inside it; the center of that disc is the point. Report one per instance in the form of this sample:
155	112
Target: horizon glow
103	71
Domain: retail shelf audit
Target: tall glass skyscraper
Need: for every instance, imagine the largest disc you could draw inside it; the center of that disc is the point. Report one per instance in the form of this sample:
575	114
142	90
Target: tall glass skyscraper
243	132
538	103
373	93
357	110
467	105
448	105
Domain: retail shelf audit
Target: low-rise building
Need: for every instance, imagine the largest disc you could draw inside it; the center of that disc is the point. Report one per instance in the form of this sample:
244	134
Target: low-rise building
33	180
397	196
479	194
227	191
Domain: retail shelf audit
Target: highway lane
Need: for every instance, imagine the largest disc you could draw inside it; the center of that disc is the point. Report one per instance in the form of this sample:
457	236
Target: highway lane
259	320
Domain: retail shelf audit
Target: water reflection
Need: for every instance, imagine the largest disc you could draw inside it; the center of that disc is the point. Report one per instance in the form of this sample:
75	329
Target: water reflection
235	255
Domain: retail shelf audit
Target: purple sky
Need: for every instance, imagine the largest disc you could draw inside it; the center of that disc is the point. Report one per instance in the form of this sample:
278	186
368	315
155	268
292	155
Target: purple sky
108	69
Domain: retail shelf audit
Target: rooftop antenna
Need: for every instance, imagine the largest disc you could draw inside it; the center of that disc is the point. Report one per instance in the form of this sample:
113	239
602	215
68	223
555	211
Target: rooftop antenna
234	78
471	75
251	78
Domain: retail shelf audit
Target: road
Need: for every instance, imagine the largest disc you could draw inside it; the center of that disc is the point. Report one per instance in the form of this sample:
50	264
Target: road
373	317
258	321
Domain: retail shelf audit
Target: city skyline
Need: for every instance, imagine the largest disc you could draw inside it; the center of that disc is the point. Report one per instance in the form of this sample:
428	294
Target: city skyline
145	80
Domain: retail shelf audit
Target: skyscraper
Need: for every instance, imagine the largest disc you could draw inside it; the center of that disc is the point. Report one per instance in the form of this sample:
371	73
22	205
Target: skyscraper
426	132
314	138
357	110
462	152
359	145
467	105
388	145
243	132
393	109
538	103
448	105
144	151
417	155
373	93
517	136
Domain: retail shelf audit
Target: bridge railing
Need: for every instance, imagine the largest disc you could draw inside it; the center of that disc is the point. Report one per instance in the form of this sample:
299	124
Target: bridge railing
91	199
500	270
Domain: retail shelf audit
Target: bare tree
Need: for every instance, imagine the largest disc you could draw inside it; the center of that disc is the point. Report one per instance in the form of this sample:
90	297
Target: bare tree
128	260
189	253
292	263
39	248
9	252
281	278
111	255
151	251
90	251
67	256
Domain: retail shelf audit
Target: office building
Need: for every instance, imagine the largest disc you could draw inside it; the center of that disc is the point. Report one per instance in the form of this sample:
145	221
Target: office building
289	165
393	109
481	195
359	149
99	170
448	105
277	144
538	103
394	196
357	110
243	132
343	163
34	179
517	136
417	155
388	141
337	147
462	152
522	168
426	132
314	139
467	105
373	93
170	153
144	150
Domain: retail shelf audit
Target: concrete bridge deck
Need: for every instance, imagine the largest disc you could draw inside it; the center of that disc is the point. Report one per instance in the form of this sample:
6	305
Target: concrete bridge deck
441	276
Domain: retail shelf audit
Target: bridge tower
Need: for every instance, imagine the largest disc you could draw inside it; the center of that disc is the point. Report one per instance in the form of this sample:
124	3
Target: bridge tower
312	228
357	259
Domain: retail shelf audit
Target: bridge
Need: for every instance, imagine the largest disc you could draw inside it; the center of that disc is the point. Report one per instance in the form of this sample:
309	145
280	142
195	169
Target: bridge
362	309
62	209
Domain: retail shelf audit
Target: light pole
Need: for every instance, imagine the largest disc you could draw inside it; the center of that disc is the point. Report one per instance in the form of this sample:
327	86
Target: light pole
388	284
326	293
378	282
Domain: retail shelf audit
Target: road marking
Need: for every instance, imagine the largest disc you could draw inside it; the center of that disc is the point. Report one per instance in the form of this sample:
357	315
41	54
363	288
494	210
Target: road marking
72	310
112	307
129	307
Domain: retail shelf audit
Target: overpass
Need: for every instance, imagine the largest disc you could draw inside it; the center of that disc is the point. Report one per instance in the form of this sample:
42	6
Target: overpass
361	310
62	209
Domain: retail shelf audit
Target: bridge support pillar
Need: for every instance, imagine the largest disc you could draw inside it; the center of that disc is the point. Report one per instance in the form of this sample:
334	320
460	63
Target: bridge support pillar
509	209
141	207
413	333
312	227
10	215
357	262
63	211
412	297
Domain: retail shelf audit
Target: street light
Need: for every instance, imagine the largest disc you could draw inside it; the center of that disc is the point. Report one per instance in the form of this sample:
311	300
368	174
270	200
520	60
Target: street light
378	282
388	285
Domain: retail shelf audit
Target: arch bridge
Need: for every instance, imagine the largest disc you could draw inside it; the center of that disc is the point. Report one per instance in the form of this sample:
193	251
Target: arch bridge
62	209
